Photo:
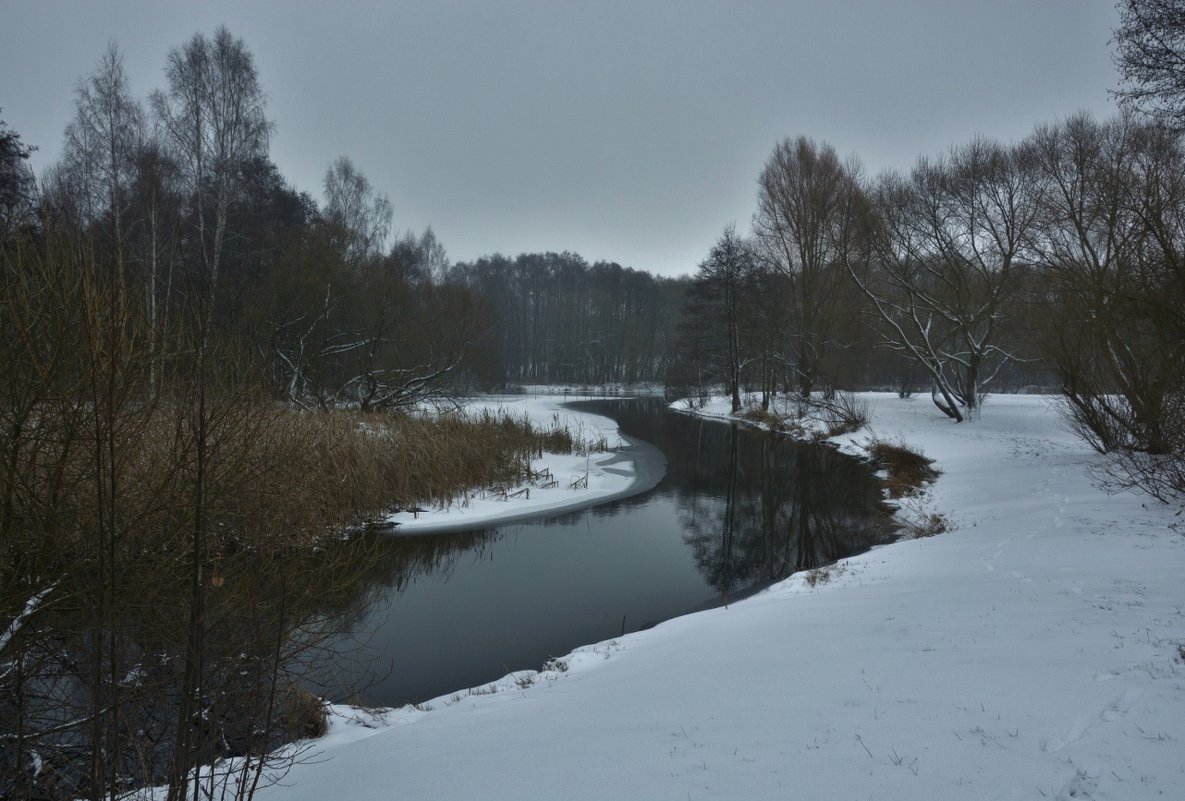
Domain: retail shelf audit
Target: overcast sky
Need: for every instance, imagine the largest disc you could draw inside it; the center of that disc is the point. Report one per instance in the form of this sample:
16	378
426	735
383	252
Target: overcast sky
631	132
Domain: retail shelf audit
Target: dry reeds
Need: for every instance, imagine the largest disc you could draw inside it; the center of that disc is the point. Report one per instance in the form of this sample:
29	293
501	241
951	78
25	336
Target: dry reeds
908	471
354	466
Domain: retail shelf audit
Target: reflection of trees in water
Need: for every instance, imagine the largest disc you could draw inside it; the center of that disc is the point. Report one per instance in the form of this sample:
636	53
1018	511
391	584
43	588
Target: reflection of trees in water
757	506
395	562
268	618
390	565
275	620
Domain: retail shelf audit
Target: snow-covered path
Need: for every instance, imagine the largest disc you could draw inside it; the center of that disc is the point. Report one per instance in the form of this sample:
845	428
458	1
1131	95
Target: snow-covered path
1032	652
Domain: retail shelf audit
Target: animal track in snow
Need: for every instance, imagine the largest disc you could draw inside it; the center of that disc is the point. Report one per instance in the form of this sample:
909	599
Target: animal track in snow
1121	705
1083	721
1080	787
1080	726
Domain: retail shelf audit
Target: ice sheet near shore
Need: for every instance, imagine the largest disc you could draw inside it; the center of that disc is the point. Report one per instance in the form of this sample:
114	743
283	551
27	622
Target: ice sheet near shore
1035	651
624	469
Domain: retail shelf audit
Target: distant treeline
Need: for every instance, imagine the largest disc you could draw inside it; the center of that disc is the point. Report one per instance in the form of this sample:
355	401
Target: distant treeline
552	317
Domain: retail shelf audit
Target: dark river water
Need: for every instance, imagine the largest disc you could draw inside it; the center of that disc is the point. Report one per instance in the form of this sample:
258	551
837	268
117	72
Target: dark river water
736	510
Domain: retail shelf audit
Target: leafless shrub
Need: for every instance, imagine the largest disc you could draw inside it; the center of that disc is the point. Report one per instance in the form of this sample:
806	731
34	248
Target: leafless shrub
846	414
831	414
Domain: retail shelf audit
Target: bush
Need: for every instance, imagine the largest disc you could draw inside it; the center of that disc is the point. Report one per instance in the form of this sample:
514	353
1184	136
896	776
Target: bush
847	414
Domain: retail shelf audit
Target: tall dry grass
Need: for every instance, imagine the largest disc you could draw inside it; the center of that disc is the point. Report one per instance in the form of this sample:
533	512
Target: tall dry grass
350	467
280	477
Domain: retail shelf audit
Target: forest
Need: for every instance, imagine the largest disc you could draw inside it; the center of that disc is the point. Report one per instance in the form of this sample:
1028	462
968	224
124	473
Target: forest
190	346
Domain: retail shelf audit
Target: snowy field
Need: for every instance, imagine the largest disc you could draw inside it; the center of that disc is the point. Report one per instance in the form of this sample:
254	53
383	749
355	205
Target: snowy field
568	481
1034	651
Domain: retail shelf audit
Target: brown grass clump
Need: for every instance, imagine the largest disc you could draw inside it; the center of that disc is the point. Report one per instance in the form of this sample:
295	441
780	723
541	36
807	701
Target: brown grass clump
764	417
303	714
908	470
822	575
815	417
930	525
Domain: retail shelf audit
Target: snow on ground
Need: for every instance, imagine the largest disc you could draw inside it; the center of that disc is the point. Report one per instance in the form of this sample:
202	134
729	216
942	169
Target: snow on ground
567	481
1035	651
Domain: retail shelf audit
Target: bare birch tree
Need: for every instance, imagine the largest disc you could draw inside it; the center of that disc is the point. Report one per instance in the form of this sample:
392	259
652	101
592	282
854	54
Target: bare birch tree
361	218
102	144
212	119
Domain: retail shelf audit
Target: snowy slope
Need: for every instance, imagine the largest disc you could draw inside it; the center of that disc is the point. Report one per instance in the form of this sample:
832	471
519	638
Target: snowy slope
1032	652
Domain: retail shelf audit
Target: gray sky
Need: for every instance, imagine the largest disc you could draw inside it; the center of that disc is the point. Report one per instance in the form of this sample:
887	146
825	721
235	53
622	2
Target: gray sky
624	131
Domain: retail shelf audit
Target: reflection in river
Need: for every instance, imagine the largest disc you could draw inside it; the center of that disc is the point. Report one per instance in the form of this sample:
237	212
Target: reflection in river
737	510
757	507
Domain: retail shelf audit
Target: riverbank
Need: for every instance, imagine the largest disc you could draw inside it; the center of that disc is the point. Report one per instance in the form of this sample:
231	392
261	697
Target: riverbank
1033	651
613	466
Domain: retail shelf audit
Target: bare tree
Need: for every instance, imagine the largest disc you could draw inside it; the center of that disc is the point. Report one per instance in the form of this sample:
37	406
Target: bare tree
717	291
102	144
156	241
435	257
307	316
1087	240
1150	54
405	356
361	217
765	328
212	119
804	226
945	246
1111	244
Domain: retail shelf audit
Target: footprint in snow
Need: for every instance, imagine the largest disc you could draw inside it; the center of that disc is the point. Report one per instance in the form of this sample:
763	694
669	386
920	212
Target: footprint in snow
1081	725
1121	705
1081	787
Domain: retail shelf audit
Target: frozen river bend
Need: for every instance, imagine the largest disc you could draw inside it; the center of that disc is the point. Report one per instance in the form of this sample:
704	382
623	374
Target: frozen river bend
1034	651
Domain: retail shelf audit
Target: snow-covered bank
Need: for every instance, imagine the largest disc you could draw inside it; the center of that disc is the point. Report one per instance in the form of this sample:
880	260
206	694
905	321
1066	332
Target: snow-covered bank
568	481
1032	652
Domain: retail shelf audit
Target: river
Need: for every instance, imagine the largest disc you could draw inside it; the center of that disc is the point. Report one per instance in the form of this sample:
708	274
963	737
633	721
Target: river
736	510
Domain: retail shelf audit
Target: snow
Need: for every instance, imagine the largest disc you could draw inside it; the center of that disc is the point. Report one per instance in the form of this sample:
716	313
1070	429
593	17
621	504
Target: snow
1034	651
31	606
627	468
